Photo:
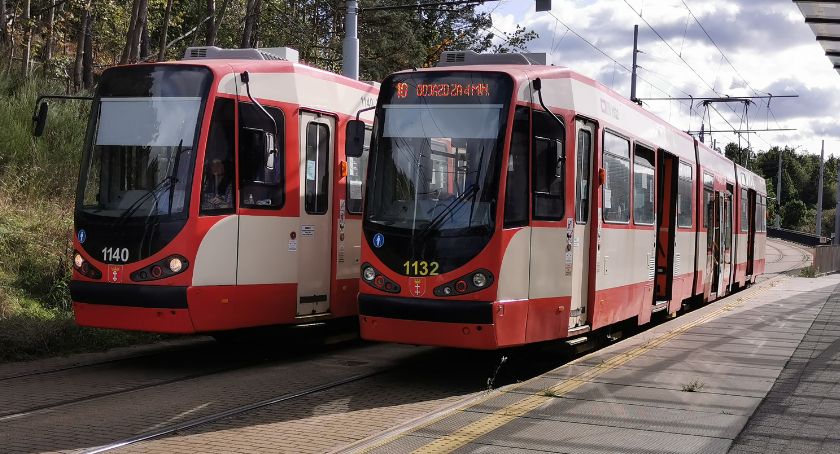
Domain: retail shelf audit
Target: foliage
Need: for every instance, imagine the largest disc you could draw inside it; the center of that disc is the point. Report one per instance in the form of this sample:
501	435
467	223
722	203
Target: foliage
37	183
390	39
800	183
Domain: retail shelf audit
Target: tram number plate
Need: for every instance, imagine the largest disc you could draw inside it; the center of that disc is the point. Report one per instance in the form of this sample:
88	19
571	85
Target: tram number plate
112	254
421	268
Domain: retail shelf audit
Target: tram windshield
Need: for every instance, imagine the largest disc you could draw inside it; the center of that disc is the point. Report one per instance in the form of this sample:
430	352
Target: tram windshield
141	146
435	167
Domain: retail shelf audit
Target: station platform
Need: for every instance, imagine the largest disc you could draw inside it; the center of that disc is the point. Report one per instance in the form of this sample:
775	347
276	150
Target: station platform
757	372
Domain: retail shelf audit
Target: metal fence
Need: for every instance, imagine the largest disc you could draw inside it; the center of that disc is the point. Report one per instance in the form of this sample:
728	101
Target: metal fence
827	259
807	239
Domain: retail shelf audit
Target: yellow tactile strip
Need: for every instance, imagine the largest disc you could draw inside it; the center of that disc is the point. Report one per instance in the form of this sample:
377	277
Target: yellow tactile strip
531	402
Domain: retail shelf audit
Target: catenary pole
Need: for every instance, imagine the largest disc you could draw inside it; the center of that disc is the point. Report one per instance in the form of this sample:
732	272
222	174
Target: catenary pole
820	191
350	60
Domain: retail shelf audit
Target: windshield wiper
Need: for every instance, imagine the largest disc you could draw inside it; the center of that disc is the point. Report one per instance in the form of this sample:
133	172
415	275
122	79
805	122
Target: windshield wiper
139	202
455	203
174	174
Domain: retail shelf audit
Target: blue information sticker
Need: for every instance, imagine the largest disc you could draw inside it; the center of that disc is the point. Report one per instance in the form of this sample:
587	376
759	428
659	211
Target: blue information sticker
82	236
378	240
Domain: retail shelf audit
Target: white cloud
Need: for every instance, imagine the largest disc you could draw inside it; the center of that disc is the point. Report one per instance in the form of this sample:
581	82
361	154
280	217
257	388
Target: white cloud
767	41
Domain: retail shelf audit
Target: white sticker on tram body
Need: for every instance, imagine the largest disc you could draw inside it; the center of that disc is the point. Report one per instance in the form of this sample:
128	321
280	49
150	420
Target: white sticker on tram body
307	230
310	170
292	245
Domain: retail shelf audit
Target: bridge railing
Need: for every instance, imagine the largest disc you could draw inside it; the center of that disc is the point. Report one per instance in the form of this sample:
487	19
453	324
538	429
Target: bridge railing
827	259
806	239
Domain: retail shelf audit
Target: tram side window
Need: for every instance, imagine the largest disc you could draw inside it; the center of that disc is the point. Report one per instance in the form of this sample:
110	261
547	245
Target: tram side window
643	187
516	189
684	196
745	213
584	174
260	171
217	188
617	187
356	172
549	168
708	215
317	168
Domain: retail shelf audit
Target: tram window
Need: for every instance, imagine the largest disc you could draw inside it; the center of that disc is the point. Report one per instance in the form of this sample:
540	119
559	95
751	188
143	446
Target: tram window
317	168
617	187
217	188
643	187
356	171
684	195
516	189
727	224
548	168
584	174
709	212
745	211
260	174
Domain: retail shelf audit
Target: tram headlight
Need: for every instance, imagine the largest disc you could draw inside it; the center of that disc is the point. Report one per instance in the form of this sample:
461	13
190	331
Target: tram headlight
479	280
78	260
369	273
175	265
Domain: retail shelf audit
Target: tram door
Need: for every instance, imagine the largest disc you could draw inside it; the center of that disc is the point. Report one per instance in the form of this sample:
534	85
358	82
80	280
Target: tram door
666	228
751	232
580	238
314	238
712	224
726	242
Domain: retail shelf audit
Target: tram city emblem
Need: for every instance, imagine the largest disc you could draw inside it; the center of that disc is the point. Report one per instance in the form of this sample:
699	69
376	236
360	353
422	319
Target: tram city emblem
417	286
378	240
115	274
82	236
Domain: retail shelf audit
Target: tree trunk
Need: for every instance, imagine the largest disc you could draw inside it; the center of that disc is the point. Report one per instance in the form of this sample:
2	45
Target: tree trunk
249	24
145	42
165	30
27	26
136	41
80	47
48	41
132	24
3	34
255	28
87	60
210	35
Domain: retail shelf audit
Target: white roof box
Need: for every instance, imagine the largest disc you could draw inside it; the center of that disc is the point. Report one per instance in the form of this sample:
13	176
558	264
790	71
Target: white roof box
468	57
213	52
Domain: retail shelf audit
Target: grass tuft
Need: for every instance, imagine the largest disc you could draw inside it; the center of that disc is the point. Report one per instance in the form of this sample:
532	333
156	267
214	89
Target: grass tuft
693	386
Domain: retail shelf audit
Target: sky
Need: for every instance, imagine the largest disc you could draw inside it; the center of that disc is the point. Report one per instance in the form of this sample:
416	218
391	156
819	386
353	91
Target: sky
765	47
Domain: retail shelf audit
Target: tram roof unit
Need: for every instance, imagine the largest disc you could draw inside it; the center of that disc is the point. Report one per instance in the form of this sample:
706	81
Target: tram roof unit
282	78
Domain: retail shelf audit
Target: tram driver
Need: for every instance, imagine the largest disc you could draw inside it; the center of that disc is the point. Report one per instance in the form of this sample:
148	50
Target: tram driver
217	192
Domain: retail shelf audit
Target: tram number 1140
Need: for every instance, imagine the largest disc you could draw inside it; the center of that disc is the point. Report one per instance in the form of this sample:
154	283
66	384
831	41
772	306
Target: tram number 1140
421	268
113	254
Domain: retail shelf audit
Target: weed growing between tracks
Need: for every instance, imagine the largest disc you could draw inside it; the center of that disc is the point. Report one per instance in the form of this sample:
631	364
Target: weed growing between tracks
37	187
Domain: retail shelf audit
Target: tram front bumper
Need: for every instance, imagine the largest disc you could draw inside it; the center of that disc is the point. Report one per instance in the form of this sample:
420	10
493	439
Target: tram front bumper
444	323
151	308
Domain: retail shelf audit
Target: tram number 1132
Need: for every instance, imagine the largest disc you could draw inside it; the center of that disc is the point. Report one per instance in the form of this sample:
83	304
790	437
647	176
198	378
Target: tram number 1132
421	268
113	254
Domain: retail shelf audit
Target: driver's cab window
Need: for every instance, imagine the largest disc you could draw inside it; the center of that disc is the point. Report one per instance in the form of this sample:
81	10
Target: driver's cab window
549	167
261	157
217	188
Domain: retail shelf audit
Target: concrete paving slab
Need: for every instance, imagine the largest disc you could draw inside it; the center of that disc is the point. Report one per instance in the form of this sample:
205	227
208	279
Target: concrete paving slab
644	394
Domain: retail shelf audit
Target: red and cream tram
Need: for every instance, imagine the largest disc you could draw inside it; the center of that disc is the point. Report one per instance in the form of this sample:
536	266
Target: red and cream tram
212	195
510	203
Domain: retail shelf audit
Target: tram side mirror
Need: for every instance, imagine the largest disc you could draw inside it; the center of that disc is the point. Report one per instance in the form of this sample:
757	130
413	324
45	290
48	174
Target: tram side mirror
40	119
355	139
262	146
